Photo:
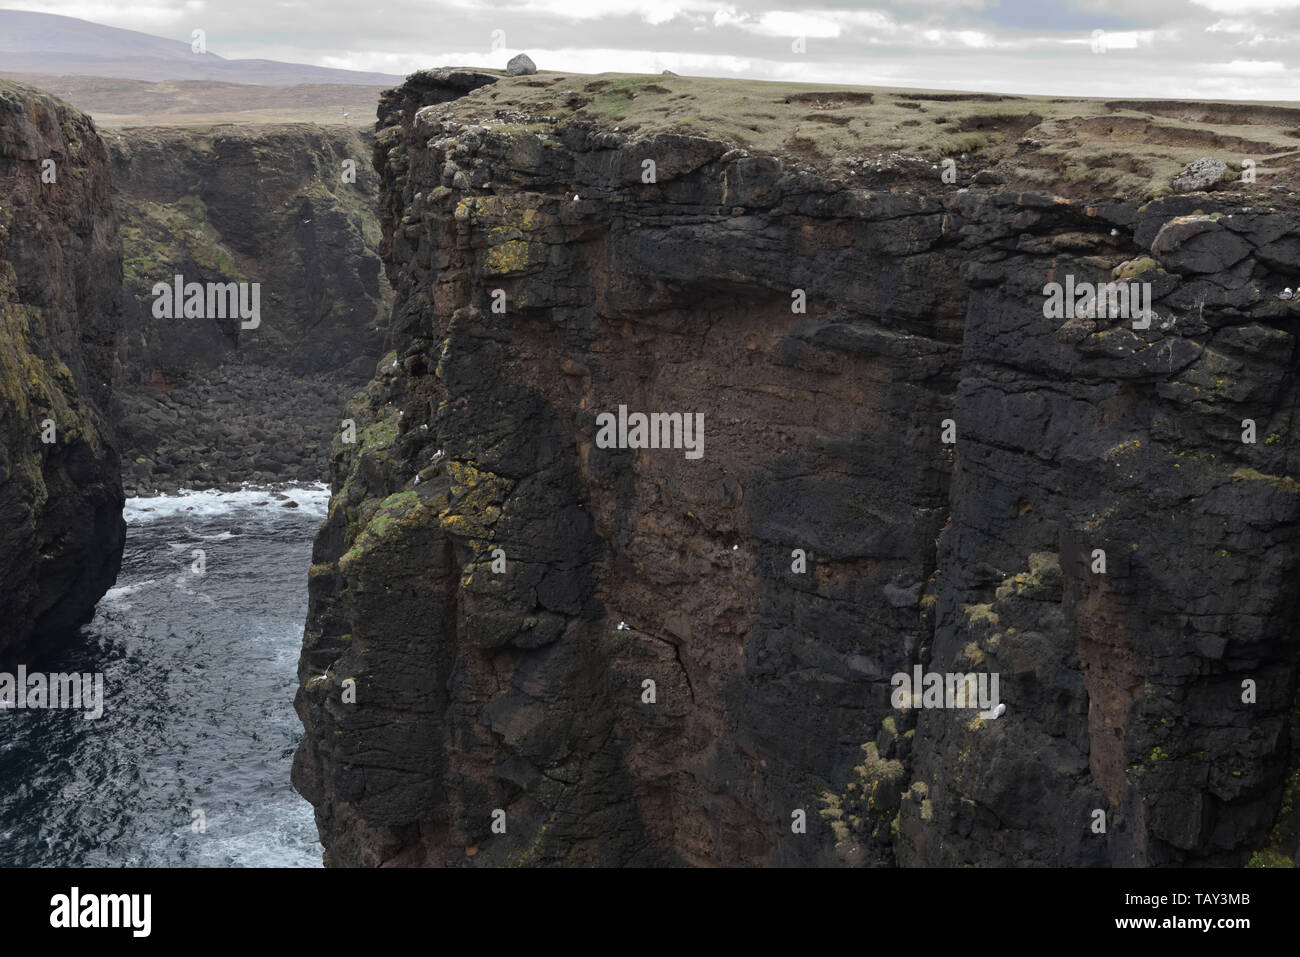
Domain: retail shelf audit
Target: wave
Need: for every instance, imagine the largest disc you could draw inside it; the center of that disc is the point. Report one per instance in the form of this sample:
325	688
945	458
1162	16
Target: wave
312	499
120	592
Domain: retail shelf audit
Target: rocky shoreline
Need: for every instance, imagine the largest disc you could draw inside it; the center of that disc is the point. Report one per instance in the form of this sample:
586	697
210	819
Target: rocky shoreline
226	427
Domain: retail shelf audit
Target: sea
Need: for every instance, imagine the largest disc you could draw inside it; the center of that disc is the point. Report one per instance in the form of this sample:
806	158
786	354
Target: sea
189	764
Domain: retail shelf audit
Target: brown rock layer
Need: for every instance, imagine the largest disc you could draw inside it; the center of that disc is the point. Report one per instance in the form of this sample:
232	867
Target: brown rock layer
446	698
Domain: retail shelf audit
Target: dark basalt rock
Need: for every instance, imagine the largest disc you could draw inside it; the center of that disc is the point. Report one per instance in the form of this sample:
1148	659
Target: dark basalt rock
481	691
61	528
1198	244
203	401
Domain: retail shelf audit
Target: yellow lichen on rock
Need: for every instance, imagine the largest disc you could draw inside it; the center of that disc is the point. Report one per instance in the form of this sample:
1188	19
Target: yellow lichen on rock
476	500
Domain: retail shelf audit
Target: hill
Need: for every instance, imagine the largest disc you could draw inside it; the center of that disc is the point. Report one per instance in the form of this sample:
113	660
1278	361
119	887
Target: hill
117	102
49	44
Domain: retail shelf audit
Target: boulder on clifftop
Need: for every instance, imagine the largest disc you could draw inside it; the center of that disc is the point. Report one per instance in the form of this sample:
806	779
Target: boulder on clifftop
1199	175
521	65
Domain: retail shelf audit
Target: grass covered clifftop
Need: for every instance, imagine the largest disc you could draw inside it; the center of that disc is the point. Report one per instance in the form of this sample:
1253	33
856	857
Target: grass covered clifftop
875	137
121	102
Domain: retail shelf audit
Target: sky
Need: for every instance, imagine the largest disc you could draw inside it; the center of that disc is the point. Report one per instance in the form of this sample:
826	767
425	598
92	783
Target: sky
1217	49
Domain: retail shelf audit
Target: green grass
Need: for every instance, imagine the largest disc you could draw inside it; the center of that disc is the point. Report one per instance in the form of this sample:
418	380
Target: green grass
158	238
1080	146
1269	858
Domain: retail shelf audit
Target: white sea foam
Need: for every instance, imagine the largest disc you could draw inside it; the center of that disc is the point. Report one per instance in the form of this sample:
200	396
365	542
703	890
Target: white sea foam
176	649
122	592
312	499
219	537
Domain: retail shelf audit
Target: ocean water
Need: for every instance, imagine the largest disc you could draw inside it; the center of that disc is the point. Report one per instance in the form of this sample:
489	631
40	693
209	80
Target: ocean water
199	678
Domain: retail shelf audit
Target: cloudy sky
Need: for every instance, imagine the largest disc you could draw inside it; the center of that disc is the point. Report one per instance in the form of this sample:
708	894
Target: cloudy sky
1223	49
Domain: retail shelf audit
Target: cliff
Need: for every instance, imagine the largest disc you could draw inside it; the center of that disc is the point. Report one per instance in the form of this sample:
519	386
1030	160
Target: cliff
61	528
288	207
918	469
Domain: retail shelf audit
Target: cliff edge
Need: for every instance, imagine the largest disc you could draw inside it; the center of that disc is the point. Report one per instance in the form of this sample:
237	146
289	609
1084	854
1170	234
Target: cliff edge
61	497
536	639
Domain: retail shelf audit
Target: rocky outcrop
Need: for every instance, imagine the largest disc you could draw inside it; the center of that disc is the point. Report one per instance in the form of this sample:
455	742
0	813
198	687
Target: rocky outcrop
525	647
61	529
215	400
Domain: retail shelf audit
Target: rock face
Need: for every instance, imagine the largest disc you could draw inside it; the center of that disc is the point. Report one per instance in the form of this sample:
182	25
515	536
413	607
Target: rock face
524	647
61	529
206	401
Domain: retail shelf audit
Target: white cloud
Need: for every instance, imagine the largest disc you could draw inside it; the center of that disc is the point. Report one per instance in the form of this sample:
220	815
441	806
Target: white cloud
1105	41
947	5
1248	6
819	23
726	16
871	19
1123	39
1231	26
654	12
1249	68
965	38
783	23
143	17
